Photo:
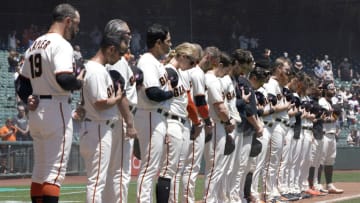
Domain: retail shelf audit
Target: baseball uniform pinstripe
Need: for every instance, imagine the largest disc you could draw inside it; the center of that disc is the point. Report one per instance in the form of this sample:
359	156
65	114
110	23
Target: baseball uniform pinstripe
152	130
329	147
306	149
260	159
193	150
175	129
230	101
214	149
276	141
50	124
294	161
285	163
96	136
118	179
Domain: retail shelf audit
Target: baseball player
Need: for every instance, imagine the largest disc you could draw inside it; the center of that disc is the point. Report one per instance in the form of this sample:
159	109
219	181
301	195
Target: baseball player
182	58
243	64
285	164
153	95
230	102
116	188
317	145
47	74
281	70
101	97
329	147
257	78
214	149
190	159
291	189
265	109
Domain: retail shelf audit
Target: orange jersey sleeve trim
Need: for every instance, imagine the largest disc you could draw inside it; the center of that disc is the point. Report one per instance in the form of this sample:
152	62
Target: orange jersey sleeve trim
191	108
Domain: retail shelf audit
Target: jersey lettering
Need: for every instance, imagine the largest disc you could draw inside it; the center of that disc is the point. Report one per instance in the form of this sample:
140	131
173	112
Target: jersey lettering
163	80
35	65
110	91
230	95
179	91
132	80
40	44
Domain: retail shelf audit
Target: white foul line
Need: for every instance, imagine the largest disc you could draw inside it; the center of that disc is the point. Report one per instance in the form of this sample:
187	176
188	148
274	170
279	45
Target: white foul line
340	199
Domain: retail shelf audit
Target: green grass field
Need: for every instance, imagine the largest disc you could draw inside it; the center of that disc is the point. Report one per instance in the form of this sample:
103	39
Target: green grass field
76	193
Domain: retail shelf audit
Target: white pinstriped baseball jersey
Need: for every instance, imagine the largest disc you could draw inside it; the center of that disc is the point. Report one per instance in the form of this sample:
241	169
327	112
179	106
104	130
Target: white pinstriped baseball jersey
267	118
154	76
327	127
230	97
179	102
273	87
98	86
122	66
42	73
197	78
214	93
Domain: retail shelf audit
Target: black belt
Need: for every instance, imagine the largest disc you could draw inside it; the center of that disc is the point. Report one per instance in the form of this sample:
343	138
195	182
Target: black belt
50	97
133	109
168	115
107	122
307	128
269	124
45	96
281	120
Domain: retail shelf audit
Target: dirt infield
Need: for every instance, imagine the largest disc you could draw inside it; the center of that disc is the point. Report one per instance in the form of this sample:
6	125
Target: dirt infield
352	190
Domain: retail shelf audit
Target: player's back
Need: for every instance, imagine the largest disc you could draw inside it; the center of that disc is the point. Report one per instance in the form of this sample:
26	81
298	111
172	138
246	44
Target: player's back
48	55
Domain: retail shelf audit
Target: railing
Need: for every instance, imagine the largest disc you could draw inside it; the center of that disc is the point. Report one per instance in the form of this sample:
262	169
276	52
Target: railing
16	159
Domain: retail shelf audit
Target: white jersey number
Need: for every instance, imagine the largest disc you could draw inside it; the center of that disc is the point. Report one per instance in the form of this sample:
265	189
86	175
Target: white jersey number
35	63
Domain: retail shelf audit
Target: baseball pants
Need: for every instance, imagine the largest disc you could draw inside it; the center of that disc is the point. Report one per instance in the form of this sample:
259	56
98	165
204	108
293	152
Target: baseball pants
238	176
151	128
260	162
295	161
305	163
119	172
51	129
95	148
215	163
273	159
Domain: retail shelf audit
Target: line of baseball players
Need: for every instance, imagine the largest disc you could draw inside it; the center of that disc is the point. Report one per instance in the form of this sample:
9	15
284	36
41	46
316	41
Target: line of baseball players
248	120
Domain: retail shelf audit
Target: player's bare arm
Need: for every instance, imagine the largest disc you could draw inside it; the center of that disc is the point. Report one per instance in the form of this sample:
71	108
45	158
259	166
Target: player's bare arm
223	114
109	102
123	107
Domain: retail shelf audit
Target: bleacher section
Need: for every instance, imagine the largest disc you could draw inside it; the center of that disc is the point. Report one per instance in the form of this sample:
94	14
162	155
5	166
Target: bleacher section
7	90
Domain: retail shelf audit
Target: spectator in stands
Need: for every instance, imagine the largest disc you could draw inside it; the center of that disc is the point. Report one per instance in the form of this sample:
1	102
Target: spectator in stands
21	123
353	101
318	70
13	60
96	37
8	133
135	43
345	71
298	64
353	138
77	53
328	74
327	61
12	41
286	56
355	82
265	58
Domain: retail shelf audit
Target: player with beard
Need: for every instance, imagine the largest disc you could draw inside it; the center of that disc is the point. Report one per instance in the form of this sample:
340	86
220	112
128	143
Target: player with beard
329	128
48	76
279	78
